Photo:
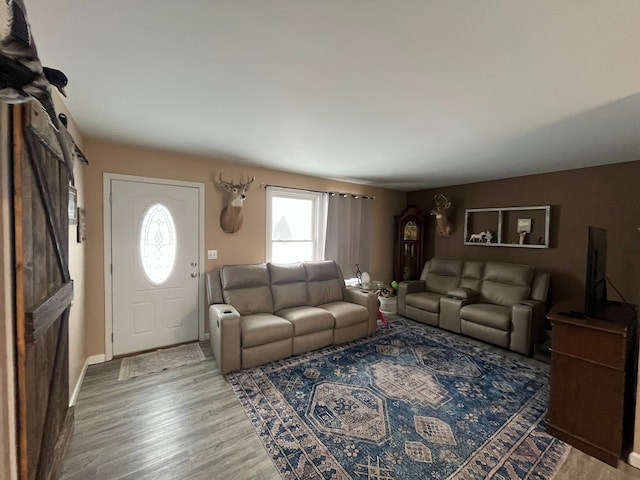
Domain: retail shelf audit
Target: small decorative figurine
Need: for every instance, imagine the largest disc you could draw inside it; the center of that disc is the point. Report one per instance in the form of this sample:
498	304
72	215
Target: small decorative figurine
522	236
477	237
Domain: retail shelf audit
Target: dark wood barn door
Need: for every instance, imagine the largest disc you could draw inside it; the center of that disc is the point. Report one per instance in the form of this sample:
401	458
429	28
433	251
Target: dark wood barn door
44	291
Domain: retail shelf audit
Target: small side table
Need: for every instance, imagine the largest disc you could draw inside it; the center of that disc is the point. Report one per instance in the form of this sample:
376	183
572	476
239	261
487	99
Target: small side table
374	287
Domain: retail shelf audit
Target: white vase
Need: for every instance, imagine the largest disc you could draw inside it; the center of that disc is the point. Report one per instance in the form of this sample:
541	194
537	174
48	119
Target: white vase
388	306
366	278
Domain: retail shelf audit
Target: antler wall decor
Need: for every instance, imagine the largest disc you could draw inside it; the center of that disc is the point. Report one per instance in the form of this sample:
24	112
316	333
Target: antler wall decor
440	212
231	215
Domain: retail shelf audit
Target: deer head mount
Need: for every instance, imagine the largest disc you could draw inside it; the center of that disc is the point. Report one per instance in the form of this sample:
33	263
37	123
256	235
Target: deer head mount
440	212
231	215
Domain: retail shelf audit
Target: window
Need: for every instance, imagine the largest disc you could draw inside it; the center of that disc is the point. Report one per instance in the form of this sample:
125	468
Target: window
157	243
296	222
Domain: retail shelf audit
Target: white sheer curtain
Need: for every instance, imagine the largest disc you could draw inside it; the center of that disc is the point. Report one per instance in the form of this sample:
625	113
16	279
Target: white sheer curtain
348	231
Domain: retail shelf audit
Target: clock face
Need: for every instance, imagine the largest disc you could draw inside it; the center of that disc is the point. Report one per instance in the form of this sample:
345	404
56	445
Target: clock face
410	231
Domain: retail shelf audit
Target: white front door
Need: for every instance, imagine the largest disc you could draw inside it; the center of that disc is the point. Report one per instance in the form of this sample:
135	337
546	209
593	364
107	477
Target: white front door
154	254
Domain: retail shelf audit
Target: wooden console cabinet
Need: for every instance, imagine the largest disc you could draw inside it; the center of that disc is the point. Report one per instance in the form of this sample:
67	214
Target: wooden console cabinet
593	379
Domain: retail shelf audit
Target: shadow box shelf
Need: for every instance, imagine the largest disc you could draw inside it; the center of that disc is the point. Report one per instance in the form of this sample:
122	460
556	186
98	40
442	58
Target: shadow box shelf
519	227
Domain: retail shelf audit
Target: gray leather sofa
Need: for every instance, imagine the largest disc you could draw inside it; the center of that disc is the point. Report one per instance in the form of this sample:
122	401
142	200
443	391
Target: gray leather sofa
264	312
499	303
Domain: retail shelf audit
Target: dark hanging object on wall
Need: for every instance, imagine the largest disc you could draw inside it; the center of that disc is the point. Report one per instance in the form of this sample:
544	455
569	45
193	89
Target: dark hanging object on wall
76	150
63	119
56	78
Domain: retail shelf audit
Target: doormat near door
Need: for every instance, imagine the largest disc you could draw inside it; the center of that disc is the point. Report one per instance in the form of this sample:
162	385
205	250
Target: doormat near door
159	360
410	402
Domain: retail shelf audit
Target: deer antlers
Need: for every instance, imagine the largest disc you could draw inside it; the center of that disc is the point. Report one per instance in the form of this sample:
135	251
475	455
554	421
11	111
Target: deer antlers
230	185
440	212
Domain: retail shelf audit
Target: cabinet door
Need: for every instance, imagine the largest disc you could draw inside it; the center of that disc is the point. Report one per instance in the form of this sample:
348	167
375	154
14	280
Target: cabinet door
588	383
586	400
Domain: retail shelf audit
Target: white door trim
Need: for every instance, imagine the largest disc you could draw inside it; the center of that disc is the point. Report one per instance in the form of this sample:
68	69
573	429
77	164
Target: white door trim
108	293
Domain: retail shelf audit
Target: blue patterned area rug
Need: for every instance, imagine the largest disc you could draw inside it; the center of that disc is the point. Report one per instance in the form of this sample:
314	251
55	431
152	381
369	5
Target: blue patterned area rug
411	402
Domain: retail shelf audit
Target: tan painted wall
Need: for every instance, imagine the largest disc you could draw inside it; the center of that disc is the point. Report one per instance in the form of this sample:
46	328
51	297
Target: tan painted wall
245	246
77	317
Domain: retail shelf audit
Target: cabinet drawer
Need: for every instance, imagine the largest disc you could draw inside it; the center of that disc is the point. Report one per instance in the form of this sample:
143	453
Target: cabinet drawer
592	345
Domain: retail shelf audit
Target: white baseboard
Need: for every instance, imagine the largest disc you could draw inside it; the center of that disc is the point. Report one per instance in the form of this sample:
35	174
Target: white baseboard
634	459
92	360
76	391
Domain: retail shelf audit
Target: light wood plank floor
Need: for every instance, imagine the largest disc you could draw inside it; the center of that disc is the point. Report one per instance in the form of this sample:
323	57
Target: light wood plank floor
186	423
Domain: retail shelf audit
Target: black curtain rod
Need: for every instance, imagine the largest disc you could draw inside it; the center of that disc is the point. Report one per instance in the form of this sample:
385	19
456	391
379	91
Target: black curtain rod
354	195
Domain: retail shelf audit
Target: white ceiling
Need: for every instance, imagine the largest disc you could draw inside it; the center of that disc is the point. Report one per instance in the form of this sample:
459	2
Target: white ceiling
405	94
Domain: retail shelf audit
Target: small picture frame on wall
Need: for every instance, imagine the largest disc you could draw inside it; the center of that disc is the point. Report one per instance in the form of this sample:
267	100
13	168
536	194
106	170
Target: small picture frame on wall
82	225
73	206
524	225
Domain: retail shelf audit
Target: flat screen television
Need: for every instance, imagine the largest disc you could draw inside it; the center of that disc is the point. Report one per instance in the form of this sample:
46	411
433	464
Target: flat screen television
595	292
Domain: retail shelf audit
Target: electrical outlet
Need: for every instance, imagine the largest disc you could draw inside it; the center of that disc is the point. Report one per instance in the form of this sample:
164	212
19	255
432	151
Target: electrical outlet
212	254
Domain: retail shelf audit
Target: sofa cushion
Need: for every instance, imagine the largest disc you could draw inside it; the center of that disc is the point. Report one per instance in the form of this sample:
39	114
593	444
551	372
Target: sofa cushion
444	274
262	328
462	293
307	320
240	276
346	314
250	300
286	273
506	283
324	282
246	287
428	301
472	273
288	285
322	270
494	316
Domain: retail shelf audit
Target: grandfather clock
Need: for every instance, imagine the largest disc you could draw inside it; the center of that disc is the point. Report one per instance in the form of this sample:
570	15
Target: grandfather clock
408	244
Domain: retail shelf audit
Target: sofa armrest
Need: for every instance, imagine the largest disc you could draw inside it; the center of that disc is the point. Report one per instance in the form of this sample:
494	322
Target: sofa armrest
527	325
369	300
462	293
225	337
404	289
411	286
450	306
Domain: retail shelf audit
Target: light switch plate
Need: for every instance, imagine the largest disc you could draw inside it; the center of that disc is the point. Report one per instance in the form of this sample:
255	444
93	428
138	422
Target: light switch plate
212	254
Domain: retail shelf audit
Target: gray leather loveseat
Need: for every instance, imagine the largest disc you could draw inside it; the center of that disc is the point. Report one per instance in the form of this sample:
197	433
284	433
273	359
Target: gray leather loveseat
264	312
499	303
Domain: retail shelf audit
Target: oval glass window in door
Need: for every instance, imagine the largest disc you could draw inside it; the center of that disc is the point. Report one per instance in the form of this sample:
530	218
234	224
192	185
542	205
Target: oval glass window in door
157	243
